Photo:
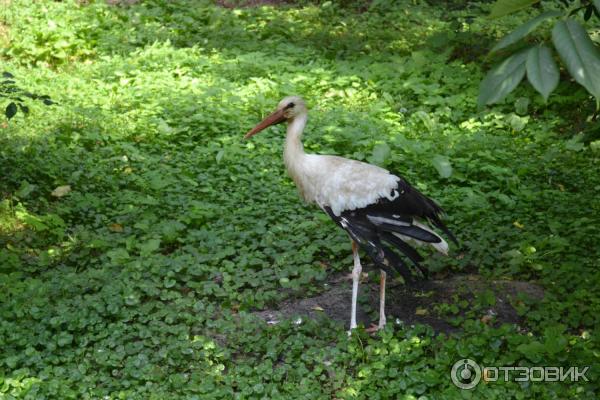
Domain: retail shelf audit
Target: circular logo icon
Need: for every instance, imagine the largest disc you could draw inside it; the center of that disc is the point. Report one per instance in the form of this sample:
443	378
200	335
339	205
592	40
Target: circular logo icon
466	373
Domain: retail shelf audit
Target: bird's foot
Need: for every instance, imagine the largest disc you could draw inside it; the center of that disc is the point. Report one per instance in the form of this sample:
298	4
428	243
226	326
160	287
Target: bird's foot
353	326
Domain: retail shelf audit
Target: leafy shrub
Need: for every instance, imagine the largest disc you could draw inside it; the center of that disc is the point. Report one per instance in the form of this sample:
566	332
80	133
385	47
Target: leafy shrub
49	35
578	53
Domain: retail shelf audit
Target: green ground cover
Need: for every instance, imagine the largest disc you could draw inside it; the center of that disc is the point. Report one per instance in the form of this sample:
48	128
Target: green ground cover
139	283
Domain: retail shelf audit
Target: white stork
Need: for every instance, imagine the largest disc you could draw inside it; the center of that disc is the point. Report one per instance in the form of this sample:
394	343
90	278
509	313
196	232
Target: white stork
380	211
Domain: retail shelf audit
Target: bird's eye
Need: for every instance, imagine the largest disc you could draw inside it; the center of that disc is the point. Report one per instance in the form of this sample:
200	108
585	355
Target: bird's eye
291	105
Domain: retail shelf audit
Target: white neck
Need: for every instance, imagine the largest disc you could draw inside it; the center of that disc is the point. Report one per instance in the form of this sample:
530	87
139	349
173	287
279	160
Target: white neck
294	151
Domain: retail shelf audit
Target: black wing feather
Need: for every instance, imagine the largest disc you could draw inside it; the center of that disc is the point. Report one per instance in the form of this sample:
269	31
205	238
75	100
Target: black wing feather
408	251
409	202
394	264
412	231
369	238
378	239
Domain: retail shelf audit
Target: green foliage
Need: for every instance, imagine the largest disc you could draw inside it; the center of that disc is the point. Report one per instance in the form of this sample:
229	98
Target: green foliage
571	40
502	79
542	71
524	30
15	95
579	54
140	281
505	7
442	165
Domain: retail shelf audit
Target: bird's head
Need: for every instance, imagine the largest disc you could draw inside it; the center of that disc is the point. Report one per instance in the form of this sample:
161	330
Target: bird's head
287	109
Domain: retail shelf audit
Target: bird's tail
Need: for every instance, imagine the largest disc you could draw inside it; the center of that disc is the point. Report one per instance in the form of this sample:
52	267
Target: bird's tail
383	242
399	232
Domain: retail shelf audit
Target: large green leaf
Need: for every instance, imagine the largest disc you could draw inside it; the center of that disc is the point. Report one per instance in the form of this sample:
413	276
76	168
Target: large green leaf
442	165
502	79
381	152
578	53
596	4
504	7
524	30
542	71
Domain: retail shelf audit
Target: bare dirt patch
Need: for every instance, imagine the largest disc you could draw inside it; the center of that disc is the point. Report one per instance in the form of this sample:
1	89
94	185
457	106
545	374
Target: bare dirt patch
411	304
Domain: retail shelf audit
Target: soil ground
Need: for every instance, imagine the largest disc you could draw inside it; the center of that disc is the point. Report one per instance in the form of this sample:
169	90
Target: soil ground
409	304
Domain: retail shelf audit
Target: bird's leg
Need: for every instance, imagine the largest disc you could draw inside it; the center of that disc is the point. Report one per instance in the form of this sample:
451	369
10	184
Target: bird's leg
374	328
382	300
355	278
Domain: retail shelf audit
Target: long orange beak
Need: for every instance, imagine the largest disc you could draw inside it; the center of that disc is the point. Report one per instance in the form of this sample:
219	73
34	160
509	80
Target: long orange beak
273	119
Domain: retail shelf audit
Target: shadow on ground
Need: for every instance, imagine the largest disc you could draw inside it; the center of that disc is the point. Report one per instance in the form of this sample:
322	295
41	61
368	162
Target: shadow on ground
414	304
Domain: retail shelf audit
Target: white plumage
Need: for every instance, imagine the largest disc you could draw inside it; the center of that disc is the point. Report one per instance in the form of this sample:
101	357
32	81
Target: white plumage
340	183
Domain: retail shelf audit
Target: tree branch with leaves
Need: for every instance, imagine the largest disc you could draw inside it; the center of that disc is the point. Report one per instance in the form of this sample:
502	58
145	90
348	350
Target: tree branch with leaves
578	53
17	96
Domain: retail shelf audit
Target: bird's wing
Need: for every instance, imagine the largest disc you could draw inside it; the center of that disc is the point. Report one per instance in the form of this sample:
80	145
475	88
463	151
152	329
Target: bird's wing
347	185
382	213
407	204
